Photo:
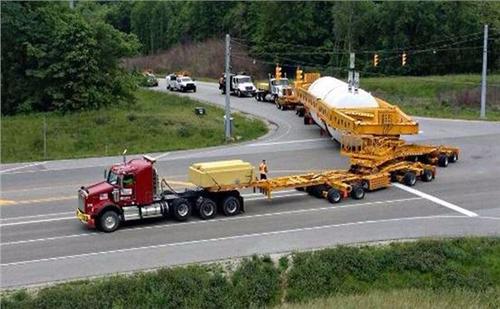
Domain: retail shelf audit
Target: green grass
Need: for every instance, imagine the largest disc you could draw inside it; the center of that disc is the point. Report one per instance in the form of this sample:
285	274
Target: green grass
157	122
448	96
451	273
407	298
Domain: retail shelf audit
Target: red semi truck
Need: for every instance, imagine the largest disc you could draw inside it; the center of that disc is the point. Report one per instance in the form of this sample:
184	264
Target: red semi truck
132	191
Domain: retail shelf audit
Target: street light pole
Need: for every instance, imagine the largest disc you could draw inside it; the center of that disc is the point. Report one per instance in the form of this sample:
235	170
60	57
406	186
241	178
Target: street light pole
227	118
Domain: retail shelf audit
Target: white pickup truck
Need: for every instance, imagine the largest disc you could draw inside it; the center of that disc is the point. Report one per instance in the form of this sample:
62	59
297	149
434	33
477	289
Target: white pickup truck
180	83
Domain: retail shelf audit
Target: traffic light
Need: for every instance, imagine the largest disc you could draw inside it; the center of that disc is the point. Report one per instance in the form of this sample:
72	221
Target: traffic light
403	59
277	72
298	74
375	60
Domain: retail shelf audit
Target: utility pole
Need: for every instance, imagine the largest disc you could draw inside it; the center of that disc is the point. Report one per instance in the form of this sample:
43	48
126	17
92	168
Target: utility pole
71	4
483	79
227	117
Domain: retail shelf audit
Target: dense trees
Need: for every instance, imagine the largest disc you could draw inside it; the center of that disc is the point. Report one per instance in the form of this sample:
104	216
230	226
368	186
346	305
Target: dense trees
57	59
54	58
439	37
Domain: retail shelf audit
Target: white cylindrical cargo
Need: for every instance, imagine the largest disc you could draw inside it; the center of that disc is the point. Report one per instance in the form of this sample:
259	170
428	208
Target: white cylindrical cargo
335	93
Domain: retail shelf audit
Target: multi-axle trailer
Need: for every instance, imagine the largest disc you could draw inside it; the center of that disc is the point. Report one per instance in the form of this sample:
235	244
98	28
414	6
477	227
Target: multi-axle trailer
133	191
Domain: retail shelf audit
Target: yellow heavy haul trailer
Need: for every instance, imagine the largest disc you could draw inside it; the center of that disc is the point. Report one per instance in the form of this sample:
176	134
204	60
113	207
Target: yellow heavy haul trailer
369	135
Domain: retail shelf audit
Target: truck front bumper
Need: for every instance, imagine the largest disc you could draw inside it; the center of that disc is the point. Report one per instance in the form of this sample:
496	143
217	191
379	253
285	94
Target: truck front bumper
85	219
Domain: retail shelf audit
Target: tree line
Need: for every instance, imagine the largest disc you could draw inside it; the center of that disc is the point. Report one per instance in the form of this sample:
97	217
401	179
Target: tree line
437	37
56	58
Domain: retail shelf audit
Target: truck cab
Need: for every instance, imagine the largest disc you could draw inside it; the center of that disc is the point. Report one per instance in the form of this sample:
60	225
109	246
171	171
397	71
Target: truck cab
129	190
240	85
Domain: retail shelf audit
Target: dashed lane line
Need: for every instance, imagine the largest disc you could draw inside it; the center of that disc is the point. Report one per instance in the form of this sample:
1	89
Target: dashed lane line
436	200
219	239
238	218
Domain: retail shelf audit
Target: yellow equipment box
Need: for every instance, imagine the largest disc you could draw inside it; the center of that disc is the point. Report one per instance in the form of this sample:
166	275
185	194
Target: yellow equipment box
221	173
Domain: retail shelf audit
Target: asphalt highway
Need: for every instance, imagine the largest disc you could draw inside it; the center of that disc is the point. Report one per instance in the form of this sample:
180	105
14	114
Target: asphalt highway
41	240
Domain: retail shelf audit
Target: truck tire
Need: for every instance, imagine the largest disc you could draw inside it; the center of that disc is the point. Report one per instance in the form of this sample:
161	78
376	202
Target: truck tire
357	192
410	179
238	93
453	158
109	221
333	196
427	175
443	160
181	209
231	206
194	89
207	209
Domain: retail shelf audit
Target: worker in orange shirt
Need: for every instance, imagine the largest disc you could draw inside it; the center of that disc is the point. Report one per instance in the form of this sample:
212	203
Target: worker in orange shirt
263	170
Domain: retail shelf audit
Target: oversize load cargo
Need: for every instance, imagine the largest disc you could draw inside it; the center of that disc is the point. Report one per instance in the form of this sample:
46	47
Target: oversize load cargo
221	173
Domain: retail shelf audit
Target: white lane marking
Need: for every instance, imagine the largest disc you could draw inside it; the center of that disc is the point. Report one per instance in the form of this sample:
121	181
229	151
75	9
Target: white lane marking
162	155
36	221
169	225
436	200
21	167
37	216
288	142
243	236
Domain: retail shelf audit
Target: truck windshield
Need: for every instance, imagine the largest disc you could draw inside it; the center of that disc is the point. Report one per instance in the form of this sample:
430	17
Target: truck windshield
242	80
281	82
112	178
186	79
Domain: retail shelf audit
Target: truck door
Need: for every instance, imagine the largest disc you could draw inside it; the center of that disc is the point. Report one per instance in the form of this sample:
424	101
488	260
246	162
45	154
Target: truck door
127	192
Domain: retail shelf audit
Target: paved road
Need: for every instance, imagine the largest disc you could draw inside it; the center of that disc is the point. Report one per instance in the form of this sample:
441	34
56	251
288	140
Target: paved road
41	241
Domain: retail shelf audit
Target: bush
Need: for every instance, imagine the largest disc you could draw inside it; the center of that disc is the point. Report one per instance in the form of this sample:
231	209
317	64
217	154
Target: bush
466	265
256	283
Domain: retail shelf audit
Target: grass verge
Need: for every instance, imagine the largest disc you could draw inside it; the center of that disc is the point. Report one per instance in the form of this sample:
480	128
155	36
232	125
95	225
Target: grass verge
427	272
157	122
448	96
407	298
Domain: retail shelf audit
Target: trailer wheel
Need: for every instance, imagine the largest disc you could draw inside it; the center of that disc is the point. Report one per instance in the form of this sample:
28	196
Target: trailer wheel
410	179
109	221
333	196
231	206
207	209
453	158
357	192
427	175
443	160
181	209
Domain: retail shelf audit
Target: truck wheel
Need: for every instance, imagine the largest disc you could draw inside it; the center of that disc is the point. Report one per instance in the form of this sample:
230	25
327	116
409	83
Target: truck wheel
109	221
238	93
194	89
357	192
231	206
207	209
427	175
443	160
181	209
453	158
333	196
410	179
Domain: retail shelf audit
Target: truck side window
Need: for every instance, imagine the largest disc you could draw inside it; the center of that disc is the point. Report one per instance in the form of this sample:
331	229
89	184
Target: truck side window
128	181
